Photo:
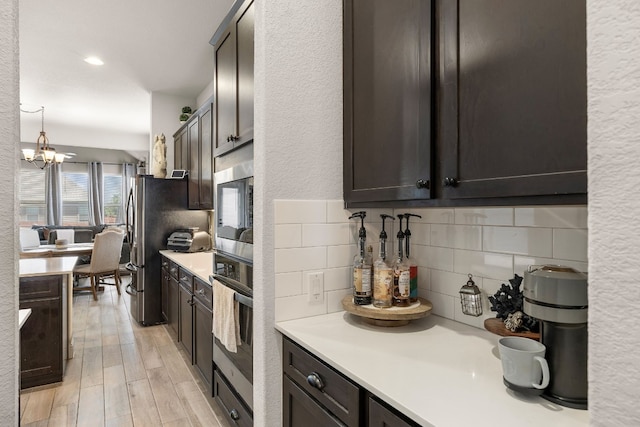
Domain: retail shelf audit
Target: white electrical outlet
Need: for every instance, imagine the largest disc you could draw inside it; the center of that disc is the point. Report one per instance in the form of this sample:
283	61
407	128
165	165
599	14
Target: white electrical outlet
315	286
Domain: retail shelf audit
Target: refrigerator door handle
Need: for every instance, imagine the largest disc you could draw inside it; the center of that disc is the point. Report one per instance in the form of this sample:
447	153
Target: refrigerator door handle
131	291
130	215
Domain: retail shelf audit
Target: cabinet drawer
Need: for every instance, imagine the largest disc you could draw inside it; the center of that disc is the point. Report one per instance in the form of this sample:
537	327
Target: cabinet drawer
186	279
173	269
165	264
203	292
40	287
235	411
335	392
299	409
382	416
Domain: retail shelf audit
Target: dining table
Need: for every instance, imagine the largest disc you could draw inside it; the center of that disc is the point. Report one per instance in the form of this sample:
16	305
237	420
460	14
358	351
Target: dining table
48	251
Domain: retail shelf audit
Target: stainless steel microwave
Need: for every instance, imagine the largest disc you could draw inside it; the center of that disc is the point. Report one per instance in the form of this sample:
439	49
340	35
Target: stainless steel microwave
234	210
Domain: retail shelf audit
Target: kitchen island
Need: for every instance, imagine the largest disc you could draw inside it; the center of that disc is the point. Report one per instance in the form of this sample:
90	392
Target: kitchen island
46	341
435	371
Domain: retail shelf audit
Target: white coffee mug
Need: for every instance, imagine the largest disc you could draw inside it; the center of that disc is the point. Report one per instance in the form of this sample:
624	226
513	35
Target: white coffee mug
523	362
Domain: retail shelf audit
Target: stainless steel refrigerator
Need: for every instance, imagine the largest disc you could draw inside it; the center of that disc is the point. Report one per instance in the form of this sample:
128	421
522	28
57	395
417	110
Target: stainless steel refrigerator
155	208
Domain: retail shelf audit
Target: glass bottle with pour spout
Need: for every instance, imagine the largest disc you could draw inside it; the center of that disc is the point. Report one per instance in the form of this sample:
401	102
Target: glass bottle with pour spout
401	273
382	272
413	265
361	266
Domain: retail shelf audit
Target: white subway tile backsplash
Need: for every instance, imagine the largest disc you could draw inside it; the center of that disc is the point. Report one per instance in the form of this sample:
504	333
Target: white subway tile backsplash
336	211
570	244
325	234
518	240
288	284
448	283
288	236
337	278
484	216
300	211
446	243
483	264
457	236
555	216
334	299
297	259
521	263
443	305
296	307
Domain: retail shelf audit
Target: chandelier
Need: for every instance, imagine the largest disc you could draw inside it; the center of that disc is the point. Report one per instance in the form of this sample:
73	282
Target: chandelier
44	155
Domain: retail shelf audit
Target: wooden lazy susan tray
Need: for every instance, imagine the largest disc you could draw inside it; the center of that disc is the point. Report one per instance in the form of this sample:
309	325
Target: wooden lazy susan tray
392	316
496	326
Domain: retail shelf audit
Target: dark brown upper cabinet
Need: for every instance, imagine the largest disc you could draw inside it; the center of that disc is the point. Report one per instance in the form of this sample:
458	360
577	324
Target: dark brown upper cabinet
193	152
512	98
233	78
499	119
387	100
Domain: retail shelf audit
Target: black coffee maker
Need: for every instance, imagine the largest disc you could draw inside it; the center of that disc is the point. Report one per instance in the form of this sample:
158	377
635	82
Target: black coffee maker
557	297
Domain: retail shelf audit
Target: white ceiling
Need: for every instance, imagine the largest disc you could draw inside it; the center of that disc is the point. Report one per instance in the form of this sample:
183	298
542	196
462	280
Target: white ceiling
146	45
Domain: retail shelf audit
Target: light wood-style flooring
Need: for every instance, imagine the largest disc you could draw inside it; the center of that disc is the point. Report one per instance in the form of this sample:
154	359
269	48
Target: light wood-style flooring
122	374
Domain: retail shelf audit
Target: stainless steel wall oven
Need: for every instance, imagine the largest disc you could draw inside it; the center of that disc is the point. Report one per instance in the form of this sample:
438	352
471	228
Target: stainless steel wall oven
237	368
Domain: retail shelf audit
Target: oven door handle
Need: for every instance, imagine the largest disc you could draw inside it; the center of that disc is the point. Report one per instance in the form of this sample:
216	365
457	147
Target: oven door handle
242	299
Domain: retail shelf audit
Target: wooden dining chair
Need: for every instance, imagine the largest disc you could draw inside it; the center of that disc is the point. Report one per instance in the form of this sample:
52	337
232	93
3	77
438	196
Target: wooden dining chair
105	259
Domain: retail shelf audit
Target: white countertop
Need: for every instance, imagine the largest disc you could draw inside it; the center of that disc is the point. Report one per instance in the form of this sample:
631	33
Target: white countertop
23	315
47	266
198	263
436	371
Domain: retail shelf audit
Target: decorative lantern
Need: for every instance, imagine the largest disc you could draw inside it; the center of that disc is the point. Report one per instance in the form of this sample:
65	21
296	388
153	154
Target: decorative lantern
471	298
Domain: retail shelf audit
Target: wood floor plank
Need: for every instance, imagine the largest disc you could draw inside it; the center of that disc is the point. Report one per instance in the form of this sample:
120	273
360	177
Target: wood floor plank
198	410
133	366
24	398
123	421
143	406
176	367
64	416
116	395
111	355
66	394
149	352
169	405
91	407
182	422
39	405
91	367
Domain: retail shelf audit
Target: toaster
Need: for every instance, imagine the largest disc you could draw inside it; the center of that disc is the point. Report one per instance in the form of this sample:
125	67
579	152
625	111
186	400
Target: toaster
189	240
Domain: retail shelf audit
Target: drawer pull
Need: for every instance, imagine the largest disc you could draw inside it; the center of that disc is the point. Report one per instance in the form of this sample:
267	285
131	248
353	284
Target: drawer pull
315	380
234	415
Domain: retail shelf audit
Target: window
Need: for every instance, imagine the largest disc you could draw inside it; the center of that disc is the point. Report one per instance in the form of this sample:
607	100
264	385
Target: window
75	195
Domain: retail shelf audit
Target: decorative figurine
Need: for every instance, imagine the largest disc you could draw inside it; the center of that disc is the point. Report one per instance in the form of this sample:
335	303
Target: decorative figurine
508	301
159	157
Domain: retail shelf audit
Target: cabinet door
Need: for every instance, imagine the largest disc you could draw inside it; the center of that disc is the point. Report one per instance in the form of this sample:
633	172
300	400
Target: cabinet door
185	322
174	305
245	40
225	92
203	342
381	416
206	158
194	163
300	409
387	100
179	139
512	98
165	293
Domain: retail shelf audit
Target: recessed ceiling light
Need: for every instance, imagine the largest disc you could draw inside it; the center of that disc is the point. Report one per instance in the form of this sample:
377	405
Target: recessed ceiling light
93	60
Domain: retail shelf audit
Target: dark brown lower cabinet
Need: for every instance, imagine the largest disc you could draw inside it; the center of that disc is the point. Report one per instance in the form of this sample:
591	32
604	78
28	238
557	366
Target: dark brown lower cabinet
202	331
235	411
173	305
185	324
165	279
41	357
315	394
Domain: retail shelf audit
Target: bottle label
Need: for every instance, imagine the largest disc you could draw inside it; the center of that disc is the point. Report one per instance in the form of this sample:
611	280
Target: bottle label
383	284
413	285
362	280
404	284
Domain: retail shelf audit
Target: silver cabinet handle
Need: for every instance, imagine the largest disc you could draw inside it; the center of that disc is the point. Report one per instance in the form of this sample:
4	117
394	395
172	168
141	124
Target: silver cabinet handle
315	380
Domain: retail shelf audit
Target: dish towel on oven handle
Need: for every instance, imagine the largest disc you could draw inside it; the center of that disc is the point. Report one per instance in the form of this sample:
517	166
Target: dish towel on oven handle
226	323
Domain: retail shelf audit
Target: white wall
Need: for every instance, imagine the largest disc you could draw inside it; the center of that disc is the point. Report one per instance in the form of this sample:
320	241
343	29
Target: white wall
9	137
298	149
165	118
613	57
